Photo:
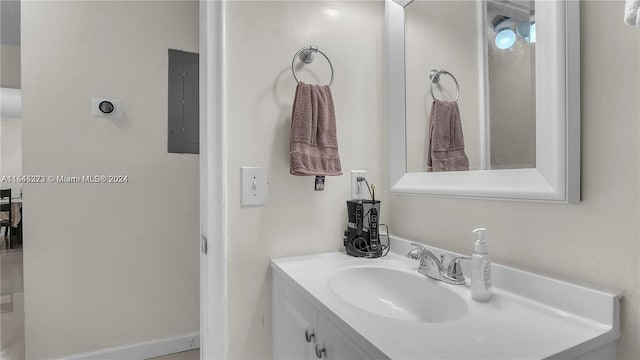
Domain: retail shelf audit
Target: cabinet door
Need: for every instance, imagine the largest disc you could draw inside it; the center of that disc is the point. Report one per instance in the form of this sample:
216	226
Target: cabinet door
292	317
336	344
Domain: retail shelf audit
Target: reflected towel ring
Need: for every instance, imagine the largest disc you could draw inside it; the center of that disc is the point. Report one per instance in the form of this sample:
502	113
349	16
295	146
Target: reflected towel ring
434	77
306	56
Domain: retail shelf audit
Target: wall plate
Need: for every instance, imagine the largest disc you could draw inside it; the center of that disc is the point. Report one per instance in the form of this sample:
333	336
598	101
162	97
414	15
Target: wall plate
106	108
358	191
254	186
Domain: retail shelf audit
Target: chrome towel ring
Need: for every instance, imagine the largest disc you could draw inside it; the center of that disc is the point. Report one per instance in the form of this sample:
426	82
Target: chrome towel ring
434	77
306	56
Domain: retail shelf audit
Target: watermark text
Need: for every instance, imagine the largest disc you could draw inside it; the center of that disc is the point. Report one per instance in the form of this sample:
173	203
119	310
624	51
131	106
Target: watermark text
65	179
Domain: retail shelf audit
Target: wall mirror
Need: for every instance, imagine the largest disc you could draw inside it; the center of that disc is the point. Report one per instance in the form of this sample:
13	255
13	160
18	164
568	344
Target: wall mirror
514	68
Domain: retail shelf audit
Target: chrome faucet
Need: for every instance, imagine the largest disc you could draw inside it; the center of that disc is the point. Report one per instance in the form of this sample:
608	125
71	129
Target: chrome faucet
434	268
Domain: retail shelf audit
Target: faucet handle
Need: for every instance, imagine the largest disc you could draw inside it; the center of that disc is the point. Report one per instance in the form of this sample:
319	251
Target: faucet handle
454	270
415	252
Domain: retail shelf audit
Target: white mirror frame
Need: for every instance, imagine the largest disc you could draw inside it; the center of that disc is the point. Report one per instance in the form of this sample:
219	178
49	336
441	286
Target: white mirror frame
556	177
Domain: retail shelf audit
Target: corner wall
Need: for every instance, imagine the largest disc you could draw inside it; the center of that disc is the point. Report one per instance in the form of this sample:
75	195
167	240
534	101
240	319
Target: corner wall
596	242
106	264
10	66
261	38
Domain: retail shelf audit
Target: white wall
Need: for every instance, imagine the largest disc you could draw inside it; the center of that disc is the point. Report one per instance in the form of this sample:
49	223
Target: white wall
10	66
11	152
10	128
596	242
261	39
442	35
106	264
512	106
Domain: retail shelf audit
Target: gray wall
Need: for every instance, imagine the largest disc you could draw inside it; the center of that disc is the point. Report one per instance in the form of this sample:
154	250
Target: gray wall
106	264
512	106
260	90
10	66
596	242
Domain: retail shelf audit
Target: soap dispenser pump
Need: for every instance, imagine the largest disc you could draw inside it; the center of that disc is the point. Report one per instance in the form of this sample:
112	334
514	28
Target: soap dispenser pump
480	268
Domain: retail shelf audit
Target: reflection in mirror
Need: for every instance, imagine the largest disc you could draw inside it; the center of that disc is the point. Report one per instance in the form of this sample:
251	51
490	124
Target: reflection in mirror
511	83
496	75
442	35
518	70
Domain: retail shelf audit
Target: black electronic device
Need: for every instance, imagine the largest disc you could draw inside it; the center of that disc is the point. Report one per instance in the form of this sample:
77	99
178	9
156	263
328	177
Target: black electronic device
362	237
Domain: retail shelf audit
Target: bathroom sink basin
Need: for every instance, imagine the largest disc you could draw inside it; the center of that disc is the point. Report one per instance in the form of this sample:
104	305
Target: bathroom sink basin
398	295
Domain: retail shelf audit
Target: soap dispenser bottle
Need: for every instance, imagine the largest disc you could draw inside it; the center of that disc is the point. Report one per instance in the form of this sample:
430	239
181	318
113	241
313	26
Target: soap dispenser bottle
480	268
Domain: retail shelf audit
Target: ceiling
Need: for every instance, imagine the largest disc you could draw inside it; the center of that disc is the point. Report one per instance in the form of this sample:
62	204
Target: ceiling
10	22
521	10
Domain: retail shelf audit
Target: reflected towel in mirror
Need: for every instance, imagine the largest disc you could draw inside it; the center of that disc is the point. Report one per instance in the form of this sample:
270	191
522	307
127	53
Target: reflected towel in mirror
632	12
445	151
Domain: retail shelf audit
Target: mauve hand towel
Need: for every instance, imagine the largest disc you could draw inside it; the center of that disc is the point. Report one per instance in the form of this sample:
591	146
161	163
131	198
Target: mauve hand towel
313	148
446	142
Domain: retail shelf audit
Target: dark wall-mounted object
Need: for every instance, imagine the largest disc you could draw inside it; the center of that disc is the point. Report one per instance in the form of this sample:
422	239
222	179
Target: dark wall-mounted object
106	107
184	128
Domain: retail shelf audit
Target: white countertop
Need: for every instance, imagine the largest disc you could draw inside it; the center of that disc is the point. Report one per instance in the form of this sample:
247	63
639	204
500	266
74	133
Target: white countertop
509	326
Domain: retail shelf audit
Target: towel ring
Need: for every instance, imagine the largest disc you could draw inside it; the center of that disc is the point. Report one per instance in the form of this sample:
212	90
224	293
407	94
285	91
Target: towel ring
306	56
434	77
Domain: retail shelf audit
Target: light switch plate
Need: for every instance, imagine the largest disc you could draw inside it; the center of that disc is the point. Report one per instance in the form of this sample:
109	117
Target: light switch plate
254	186
358	191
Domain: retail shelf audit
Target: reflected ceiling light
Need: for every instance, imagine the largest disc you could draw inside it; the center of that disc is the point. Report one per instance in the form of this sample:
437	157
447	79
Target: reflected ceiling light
505	39
526	31
331	12
523	29
532	33
505	34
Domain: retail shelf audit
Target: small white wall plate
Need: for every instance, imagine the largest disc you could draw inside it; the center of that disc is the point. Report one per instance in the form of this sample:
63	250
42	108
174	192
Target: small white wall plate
106	108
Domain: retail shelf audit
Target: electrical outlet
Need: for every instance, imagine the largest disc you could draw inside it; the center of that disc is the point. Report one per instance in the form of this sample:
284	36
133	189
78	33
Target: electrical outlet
358	189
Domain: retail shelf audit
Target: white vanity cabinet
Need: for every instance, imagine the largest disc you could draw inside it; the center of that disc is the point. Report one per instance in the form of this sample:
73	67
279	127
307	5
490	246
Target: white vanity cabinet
296	320
293	320
337	344
383	308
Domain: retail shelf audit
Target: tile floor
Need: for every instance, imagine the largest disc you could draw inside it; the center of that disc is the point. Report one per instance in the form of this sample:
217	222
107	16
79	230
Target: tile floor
12	304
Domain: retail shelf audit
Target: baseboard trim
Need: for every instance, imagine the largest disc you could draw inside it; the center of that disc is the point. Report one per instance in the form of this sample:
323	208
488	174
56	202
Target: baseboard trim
143	350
